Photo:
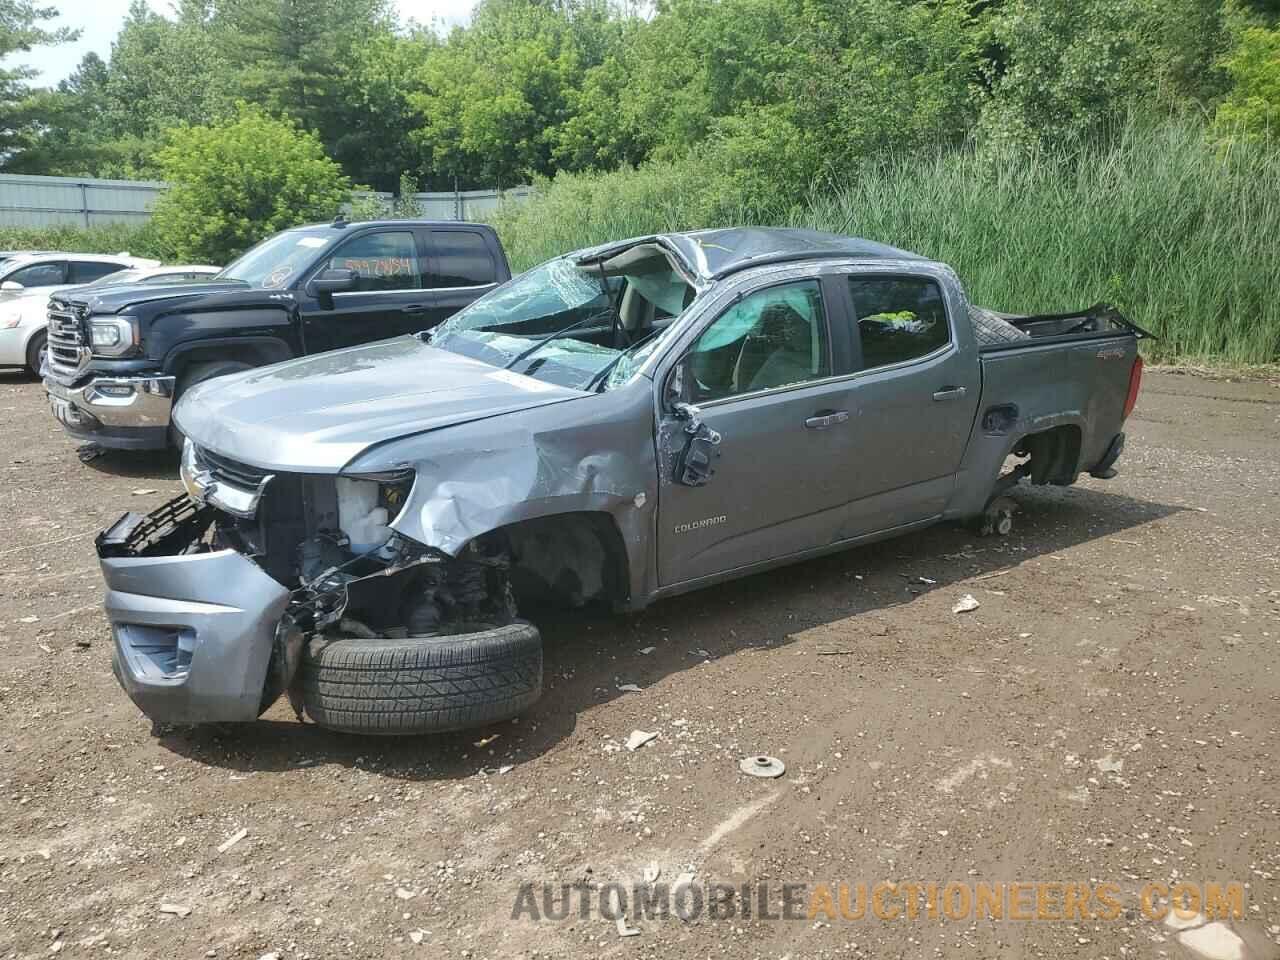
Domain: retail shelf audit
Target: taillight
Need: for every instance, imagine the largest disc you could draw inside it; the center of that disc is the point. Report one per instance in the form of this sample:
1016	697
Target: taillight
1135	384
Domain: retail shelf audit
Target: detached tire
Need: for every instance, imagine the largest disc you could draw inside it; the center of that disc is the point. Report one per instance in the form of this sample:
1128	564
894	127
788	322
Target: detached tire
422	684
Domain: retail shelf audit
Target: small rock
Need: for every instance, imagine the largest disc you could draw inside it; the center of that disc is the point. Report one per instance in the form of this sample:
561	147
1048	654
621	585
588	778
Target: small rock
485	741
639	738
177	909
645	651
404	894
417	936
1214	942
628	688
29	620
144	491
1109	764
506	768
965	604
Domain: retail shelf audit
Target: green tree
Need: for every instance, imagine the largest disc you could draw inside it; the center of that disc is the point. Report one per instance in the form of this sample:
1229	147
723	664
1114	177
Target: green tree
495	96
72	139
21	116
1071	70
372	135
164	72
234	182
695	62
298	58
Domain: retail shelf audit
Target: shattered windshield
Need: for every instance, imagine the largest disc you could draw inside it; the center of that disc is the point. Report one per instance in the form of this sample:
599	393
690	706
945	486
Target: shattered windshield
276	261
573	325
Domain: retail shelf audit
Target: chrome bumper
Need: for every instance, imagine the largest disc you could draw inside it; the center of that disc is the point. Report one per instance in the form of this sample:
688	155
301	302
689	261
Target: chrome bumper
112	402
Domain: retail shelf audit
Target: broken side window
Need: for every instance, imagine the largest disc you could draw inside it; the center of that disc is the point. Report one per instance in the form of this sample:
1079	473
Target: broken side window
771	338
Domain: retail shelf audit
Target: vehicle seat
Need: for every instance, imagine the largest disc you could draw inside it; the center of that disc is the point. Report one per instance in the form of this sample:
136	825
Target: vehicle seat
635	312
777	352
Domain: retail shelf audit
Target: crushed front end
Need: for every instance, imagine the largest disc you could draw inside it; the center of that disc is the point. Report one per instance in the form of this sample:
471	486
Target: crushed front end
213	596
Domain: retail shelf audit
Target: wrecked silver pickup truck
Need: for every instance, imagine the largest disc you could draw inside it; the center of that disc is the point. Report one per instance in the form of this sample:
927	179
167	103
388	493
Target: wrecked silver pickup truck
620	424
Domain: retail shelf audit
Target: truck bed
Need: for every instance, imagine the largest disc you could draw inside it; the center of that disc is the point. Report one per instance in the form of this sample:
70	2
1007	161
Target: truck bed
996	331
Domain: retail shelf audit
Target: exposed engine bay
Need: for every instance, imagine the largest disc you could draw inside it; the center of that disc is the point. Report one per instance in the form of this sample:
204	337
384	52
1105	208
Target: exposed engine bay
326	540
395	587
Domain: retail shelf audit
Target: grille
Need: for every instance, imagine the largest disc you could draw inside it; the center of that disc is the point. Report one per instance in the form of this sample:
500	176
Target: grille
233	471
68	352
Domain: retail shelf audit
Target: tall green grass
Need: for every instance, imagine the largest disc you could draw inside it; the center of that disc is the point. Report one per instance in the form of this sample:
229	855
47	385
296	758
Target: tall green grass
1183	236
140	241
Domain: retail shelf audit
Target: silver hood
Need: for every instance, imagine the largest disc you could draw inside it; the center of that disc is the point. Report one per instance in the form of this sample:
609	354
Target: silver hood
314	414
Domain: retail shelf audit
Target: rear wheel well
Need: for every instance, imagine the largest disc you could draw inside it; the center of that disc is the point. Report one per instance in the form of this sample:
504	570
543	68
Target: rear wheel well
569	559
1054	454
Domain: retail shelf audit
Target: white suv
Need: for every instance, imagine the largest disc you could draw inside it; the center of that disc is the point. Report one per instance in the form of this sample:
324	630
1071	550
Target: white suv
24	315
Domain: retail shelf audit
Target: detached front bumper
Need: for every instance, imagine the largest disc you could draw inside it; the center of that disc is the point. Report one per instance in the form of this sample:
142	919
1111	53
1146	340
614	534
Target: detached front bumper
124	413
194	633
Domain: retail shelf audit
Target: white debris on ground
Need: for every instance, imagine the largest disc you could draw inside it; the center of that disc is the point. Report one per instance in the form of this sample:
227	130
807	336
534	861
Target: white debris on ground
639	738
232	840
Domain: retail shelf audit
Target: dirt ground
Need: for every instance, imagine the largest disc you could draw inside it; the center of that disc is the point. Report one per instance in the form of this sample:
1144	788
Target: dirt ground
1109	714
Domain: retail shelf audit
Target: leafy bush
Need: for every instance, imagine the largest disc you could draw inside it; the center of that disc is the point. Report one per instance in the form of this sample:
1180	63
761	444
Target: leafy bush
1252	110
235	182
1064	71
1151	217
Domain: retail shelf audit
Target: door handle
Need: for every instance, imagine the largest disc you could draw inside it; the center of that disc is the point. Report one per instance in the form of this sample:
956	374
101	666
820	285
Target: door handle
950	393
822	420
413	308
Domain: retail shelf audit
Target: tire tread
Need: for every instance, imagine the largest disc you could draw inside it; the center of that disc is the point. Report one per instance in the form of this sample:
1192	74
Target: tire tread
422	684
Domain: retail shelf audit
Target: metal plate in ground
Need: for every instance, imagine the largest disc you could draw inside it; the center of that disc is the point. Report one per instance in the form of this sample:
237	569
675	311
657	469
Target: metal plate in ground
761	766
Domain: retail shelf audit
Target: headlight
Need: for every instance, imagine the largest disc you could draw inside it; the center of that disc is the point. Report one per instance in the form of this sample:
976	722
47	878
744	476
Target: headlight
9	319
113	336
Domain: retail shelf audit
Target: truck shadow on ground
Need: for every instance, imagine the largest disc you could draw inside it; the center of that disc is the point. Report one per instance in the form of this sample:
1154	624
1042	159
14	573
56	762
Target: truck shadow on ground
137	464
589	654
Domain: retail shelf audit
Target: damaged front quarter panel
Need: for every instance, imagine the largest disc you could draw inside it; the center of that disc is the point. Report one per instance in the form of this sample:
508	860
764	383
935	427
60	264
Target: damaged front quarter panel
594	454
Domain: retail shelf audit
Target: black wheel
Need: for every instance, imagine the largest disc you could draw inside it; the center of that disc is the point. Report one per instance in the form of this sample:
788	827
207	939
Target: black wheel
36	350
422	684
199	373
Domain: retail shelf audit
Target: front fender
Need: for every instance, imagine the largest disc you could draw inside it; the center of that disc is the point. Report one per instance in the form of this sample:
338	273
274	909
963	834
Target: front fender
168	334
593	456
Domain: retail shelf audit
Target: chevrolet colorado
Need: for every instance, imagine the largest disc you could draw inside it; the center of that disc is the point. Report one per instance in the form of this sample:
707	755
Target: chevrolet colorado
621	424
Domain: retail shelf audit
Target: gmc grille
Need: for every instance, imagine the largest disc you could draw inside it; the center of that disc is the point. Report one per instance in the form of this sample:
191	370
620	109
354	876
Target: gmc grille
68	351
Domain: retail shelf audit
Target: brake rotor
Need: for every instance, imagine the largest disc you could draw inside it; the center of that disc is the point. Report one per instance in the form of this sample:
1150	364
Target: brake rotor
769	768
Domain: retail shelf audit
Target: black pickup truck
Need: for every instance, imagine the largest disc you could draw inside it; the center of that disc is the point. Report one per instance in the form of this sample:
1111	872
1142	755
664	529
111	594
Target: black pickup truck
119	357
